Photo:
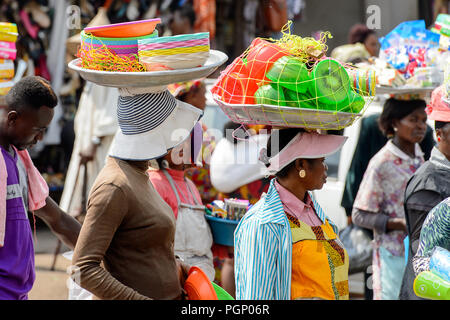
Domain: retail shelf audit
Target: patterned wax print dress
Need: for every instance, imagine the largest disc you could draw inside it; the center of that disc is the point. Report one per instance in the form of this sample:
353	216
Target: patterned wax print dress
319	262
278	257
382	192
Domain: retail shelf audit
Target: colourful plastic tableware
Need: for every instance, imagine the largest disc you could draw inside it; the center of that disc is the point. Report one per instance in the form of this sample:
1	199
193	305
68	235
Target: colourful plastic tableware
331	82
125	29
290	73
198	286
221	293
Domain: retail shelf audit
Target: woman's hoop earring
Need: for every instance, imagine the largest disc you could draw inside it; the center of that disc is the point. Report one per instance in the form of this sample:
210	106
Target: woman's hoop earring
302	173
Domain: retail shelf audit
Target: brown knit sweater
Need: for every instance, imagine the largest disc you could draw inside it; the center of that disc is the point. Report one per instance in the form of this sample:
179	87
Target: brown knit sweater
125	247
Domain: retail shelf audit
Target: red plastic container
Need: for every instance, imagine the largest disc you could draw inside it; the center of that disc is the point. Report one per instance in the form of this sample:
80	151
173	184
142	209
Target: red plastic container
125	29
237	88
238	83
261	56
234	85
198	286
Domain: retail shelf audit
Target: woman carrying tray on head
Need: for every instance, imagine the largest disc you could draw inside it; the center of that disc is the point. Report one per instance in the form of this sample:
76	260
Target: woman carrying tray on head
126	245
285	245
380	198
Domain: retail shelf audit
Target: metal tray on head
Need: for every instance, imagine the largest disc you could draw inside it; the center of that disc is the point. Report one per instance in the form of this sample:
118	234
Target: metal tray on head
403	90
149	79
279	116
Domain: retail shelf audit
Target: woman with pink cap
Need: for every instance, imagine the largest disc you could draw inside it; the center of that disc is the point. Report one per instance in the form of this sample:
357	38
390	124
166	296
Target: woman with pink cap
285	246
428	186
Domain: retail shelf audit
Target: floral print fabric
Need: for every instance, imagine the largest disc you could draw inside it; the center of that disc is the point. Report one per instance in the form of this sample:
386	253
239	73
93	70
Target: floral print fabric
382	191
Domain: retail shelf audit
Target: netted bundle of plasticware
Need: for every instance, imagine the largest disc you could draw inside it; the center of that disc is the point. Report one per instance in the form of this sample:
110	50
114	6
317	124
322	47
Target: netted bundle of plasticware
111	54
291	82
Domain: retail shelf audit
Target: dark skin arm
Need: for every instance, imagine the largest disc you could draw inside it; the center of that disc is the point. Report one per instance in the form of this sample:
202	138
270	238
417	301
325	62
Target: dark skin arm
396	224
183	270
65	227
88	154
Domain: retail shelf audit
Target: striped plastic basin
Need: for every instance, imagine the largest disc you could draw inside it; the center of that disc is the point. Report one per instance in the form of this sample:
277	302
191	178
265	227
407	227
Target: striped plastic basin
174	52
121	46
180	37
183	43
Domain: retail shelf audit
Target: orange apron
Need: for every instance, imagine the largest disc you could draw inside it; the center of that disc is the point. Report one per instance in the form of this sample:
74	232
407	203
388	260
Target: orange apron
319	262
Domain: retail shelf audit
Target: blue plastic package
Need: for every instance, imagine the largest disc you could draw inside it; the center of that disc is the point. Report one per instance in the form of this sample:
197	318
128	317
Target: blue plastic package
440	263
405	47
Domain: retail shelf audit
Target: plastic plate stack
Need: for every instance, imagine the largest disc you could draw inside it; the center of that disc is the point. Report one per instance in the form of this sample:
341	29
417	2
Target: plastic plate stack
174	52
121	46
131	54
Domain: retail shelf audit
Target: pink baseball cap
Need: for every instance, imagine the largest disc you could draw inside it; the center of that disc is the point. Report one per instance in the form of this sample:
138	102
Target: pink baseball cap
438	109
306	145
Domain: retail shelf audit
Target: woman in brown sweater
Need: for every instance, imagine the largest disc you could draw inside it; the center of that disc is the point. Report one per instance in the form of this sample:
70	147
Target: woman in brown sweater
126	245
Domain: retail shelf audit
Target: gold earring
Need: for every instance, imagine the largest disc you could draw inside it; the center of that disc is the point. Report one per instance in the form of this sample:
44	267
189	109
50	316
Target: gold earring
302	173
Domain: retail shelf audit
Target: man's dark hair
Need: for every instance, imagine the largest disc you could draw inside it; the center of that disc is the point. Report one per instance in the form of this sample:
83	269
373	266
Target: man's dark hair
395	109
31	92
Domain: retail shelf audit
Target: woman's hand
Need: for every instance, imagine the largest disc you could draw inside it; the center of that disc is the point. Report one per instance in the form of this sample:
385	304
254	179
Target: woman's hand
396	224
183	270
88	153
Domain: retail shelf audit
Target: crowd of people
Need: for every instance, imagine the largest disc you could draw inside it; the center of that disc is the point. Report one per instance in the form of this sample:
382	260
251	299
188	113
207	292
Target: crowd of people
141	192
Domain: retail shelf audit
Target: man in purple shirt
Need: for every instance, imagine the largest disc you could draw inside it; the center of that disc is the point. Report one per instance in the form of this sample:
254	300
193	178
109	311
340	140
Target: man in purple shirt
23	121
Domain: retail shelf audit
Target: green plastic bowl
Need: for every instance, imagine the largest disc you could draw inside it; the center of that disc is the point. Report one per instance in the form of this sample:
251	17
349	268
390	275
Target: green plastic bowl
353	103
290	73
221	293
269	94
331	82
300	100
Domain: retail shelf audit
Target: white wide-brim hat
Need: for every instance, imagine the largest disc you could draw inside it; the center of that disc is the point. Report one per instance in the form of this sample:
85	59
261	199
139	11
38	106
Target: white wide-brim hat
151	123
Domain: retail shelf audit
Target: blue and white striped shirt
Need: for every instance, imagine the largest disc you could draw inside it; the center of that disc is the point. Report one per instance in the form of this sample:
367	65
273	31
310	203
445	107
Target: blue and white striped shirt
263	250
